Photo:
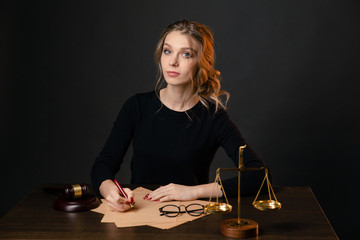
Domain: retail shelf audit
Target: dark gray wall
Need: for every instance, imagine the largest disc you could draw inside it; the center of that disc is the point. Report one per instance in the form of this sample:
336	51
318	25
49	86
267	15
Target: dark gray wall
292	68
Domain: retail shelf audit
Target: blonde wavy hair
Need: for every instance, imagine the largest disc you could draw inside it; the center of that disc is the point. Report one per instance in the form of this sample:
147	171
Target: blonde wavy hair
206	79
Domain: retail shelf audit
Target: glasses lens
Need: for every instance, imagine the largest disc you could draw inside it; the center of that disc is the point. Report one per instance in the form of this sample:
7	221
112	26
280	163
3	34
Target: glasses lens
195	209
170	210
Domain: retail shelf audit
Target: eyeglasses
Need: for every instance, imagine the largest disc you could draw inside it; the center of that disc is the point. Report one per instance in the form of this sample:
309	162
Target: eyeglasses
171	210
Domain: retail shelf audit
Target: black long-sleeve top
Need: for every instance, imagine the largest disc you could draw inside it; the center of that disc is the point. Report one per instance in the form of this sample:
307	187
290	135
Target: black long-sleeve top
173	147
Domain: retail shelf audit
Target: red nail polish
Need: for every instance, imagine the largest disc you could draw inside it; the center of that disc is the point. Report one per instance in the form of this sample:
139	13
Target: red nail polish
149	199
132	199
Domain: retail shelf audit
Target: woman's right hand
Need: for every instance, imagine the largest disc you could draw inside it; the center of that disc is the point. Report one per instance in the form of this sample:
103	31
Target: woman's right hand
112	195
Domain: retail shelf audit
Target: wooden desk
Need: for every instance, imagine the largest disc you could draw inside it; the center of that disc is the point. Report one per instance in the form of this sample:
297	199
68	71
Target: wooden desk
300	218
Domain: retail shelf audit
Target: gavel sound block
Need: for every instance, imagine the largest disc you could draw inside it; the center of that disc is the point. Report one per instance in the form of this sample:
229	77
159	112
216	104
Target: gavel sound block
75	198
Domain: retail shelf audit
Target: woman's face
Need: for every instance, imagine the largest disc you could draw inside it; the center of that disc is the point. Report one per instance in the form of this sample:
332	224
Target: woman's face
179	58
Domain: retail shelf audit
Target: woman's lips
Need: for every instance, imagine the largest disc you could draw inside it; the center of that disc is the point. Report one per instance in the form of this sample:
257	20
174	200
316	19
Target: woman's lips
173	74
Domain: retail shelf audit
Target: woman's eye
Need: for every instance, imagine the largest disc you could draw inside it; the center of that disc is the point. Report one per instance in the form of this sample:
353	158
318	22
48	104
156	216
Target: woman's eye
187	54
166	51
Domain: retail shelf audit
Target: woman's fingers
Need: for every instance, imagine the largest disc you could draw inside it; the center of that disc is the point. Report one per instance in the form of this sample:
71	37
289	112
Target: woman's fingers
118	203
172	192
130	194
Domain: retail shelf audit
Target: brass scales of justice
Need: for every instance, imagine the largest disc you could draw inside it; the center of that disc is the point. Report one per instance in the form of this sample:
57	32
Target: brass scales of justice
239	227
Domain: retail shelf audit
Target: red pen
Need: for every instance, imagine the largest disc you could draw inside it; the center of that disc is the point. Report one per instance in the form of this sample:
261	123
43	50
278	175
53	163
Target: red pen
123	193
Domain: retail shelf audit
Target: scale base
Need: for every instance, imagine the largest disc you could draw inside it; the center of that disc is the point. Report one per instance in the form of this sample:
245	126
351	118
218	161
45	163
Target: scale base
247	228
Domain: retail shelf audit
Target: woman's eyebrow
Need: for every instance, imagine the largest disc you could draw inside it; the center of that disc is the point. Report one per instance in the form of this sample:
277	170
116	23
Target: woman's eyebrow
184	48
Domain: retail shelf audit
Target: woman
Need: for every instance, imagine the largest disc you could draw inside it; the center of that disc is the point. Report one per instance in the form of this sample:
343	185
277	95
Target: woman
175	129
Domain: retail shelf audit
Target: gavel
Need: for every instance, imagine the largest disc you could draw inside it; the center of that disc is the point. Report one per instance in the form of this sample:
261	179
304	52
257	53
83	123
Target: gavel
71	192
75	191
73	198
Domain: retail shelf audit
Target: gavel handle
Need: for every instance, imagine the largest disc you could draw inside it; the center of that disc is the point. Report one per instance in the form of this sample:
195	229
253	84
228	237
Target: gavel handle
56	191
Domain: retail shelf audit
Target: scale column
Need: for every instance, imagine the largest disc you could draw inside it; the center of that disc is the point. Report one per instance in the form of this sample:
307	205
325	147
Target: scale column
241	165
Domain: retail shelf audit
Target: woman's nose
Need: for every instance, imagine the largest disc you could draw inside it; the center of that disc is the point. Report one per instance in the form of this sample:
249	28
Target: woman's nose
173	61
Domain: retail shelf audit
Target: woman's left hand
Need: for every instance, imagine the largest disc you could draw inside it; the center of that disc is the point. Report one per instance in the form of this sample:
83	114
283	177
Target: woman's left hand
173	192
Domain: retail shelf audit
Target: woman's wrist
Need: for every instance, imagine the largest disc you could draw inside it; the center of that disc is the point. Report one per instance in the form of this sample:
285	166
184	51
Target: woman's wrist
105	187
206	190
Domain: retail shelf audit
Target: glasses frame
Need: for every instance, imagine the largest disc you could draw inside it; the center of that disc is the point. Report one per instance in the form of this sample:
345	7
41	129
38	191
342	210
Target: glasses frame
190	212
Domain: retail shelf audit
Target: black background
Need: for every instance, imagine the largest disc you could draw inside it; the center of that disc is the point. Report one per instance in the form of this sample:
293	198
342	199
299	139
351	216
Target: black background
292	68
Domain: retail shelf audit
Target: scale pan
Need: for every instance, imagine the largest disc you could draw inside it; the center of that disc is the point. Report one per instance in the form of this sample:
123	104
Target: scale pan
264	205
218	208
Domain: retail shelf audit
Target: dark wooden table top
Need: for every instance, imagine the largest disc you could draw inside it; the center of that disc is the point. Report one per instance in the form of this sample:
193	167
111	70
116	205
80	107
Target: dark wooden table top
300	217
